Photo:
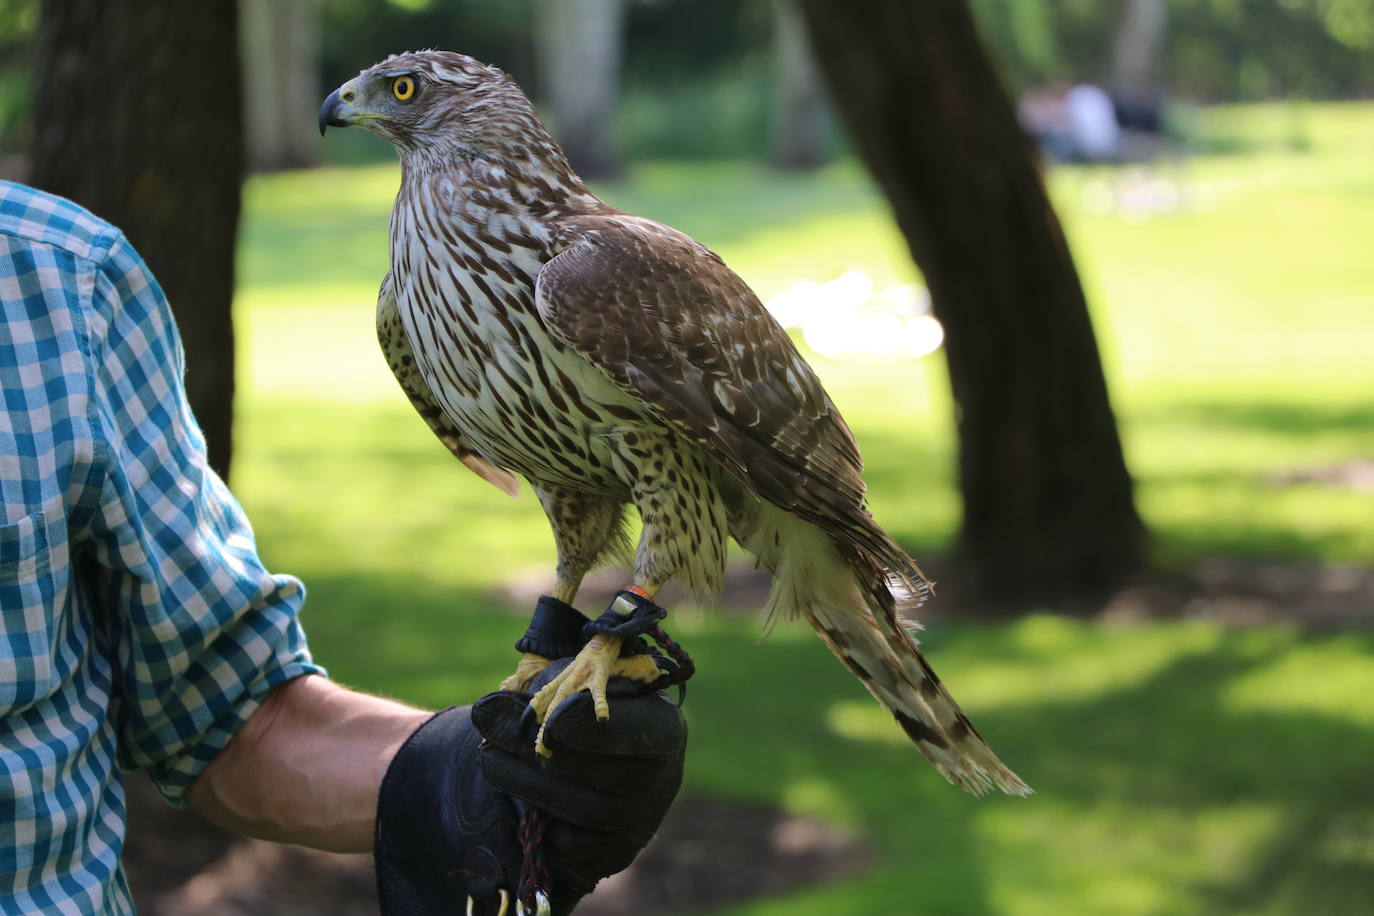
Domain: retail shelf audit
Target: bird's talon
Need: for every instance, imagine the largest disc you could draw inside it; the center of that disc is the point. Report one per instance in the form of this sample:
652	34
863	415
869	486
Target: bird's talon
542	906
597	663
505	903
600	706
526	670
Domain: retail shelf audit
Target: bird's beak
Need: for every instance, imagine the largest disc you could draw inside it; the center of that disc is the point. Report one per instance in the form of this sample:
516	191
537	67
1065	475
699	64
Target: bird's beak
335	112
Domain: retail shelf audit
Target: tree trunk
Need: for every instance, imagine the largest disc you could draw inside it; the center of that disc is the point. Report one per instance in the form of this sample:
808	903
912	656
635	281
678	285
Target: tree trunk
579	44
799	129
1049	517
1137	51
281	41
137	117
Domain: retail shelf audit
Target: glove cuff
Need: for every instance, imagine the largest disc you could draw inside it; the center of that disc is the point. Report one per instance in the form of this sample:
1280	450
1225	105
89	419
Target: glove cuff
555	630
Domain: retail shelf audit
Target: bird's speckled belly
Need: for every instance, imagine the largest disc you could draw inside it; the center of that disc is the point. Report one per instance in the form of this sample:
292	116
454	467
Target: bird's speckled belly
525	401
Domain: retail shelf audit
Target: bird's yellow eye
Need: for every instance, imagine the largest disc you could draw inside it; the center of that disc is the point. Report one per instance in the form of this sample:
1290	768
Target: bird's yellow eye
403	87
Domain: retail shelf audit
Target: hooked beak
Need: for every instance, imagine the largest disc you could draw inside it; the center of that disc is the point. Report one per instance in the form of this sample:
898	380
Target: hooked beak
335	112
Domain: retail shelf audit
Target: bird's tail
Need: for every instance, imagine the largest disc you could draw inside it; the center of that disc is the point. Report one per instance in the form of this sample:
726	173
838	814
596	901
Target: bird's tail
856	607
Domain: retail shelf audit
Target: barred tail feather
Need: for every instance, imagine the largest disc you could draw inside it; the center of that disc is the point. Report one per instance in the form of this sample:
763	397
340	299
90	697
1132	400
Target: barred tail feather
852	602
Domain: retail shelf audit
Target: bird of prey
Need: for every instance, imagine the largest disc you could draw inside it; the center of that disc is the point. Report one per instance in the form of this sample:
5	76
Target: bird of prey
613	361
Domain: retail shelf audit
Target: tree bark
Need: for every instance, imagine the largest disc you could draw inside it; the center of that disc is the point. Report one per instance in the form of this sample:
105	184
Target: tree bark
281	40
1138	49
1049	516
137	117
579	43
799	129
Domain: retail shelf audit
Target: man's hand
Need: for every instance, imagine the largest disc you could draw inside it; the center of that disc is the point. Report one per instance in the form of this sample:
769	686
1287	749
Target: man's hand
450	806
607	785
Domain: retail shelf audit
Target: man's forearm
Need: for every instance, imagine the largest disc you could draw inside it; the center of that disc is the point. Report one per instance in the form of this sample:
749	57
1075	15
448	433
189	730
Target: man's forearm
307	766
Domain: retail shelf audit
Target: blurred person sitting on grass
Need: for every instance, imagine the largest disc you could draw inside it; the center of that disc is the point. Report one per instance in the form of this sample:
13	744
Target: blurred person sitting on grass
140	630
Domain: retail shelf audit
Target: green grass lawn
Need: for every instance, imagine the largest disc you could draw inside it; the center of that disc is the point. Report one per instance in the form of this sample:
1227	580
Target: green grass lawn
1182	767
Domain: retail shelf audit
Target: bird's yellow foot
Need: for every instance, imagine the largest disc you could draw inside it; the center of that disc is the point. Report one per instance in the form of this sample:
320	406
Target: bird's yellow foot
526	670
598	662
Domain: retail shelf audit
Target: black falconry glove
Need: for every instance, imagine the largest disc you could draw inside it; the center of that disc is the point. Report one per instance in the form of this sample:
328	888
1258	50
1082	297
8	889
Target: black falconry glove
450	810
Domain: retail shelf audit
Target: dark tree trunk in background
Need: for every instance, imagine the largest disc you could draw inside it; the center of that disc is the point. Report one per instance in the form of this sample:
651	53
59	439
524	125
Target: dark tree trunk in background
1049	516
579	44
1138	49
799	106
280	40
137	117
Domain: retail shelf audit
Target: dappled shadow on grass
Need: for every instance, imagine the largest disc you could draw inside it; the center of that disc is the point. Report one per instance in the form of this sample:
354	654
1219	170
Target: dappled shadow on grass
1182	744
1296	417
1173	745
1168	780
1275	541
1332	845
1252	477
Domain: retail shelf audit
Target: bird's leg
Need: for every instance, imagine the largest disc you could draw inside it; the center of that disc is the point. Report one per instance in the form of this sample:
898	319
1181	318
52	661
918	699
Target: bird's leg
526	670
597	663
530	664
585	527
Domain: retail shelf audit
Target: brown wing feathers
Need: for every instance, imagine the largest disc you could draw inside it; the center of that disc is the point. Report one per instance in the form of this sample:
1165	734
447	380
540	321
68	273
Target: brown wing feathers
668	321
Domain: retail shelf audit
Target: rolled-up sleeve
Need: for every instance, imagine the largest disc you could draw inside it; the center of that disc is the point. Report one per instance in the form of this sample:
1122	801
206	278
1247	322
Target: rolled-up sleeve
198	629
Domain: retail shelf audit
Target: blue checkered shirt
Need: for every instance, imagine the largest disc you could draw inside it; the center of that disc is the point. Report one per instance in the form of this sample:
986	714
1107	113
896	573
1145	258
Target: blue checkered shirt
138	628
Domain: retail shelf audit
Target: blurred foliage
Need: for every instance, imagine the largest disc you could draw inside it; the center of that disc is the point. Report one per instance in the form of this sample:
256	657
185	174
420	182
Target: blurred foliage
676	41
1215	49
696	77
18	20
358	33
666	41
698	73
723	116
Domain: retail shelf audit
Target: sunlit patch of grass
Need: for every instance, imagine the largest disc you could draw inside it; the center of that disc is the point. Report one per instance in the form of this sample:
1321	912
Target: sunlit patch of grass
1120	869
1012	671
1333	678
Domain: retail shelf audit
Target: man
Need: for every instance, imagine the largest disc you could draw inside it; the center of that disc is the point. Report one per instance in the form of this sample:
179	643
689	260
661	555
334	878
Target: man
139	630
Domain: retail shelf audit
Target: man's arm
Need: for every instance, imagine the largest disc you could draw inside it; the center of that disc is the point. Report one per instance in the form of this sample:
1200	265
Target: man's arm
199	632
306	766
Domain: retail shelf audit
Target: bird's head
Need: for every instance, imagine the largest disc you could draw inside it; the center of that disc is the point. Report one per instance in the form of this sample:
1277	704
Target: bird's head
436	104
